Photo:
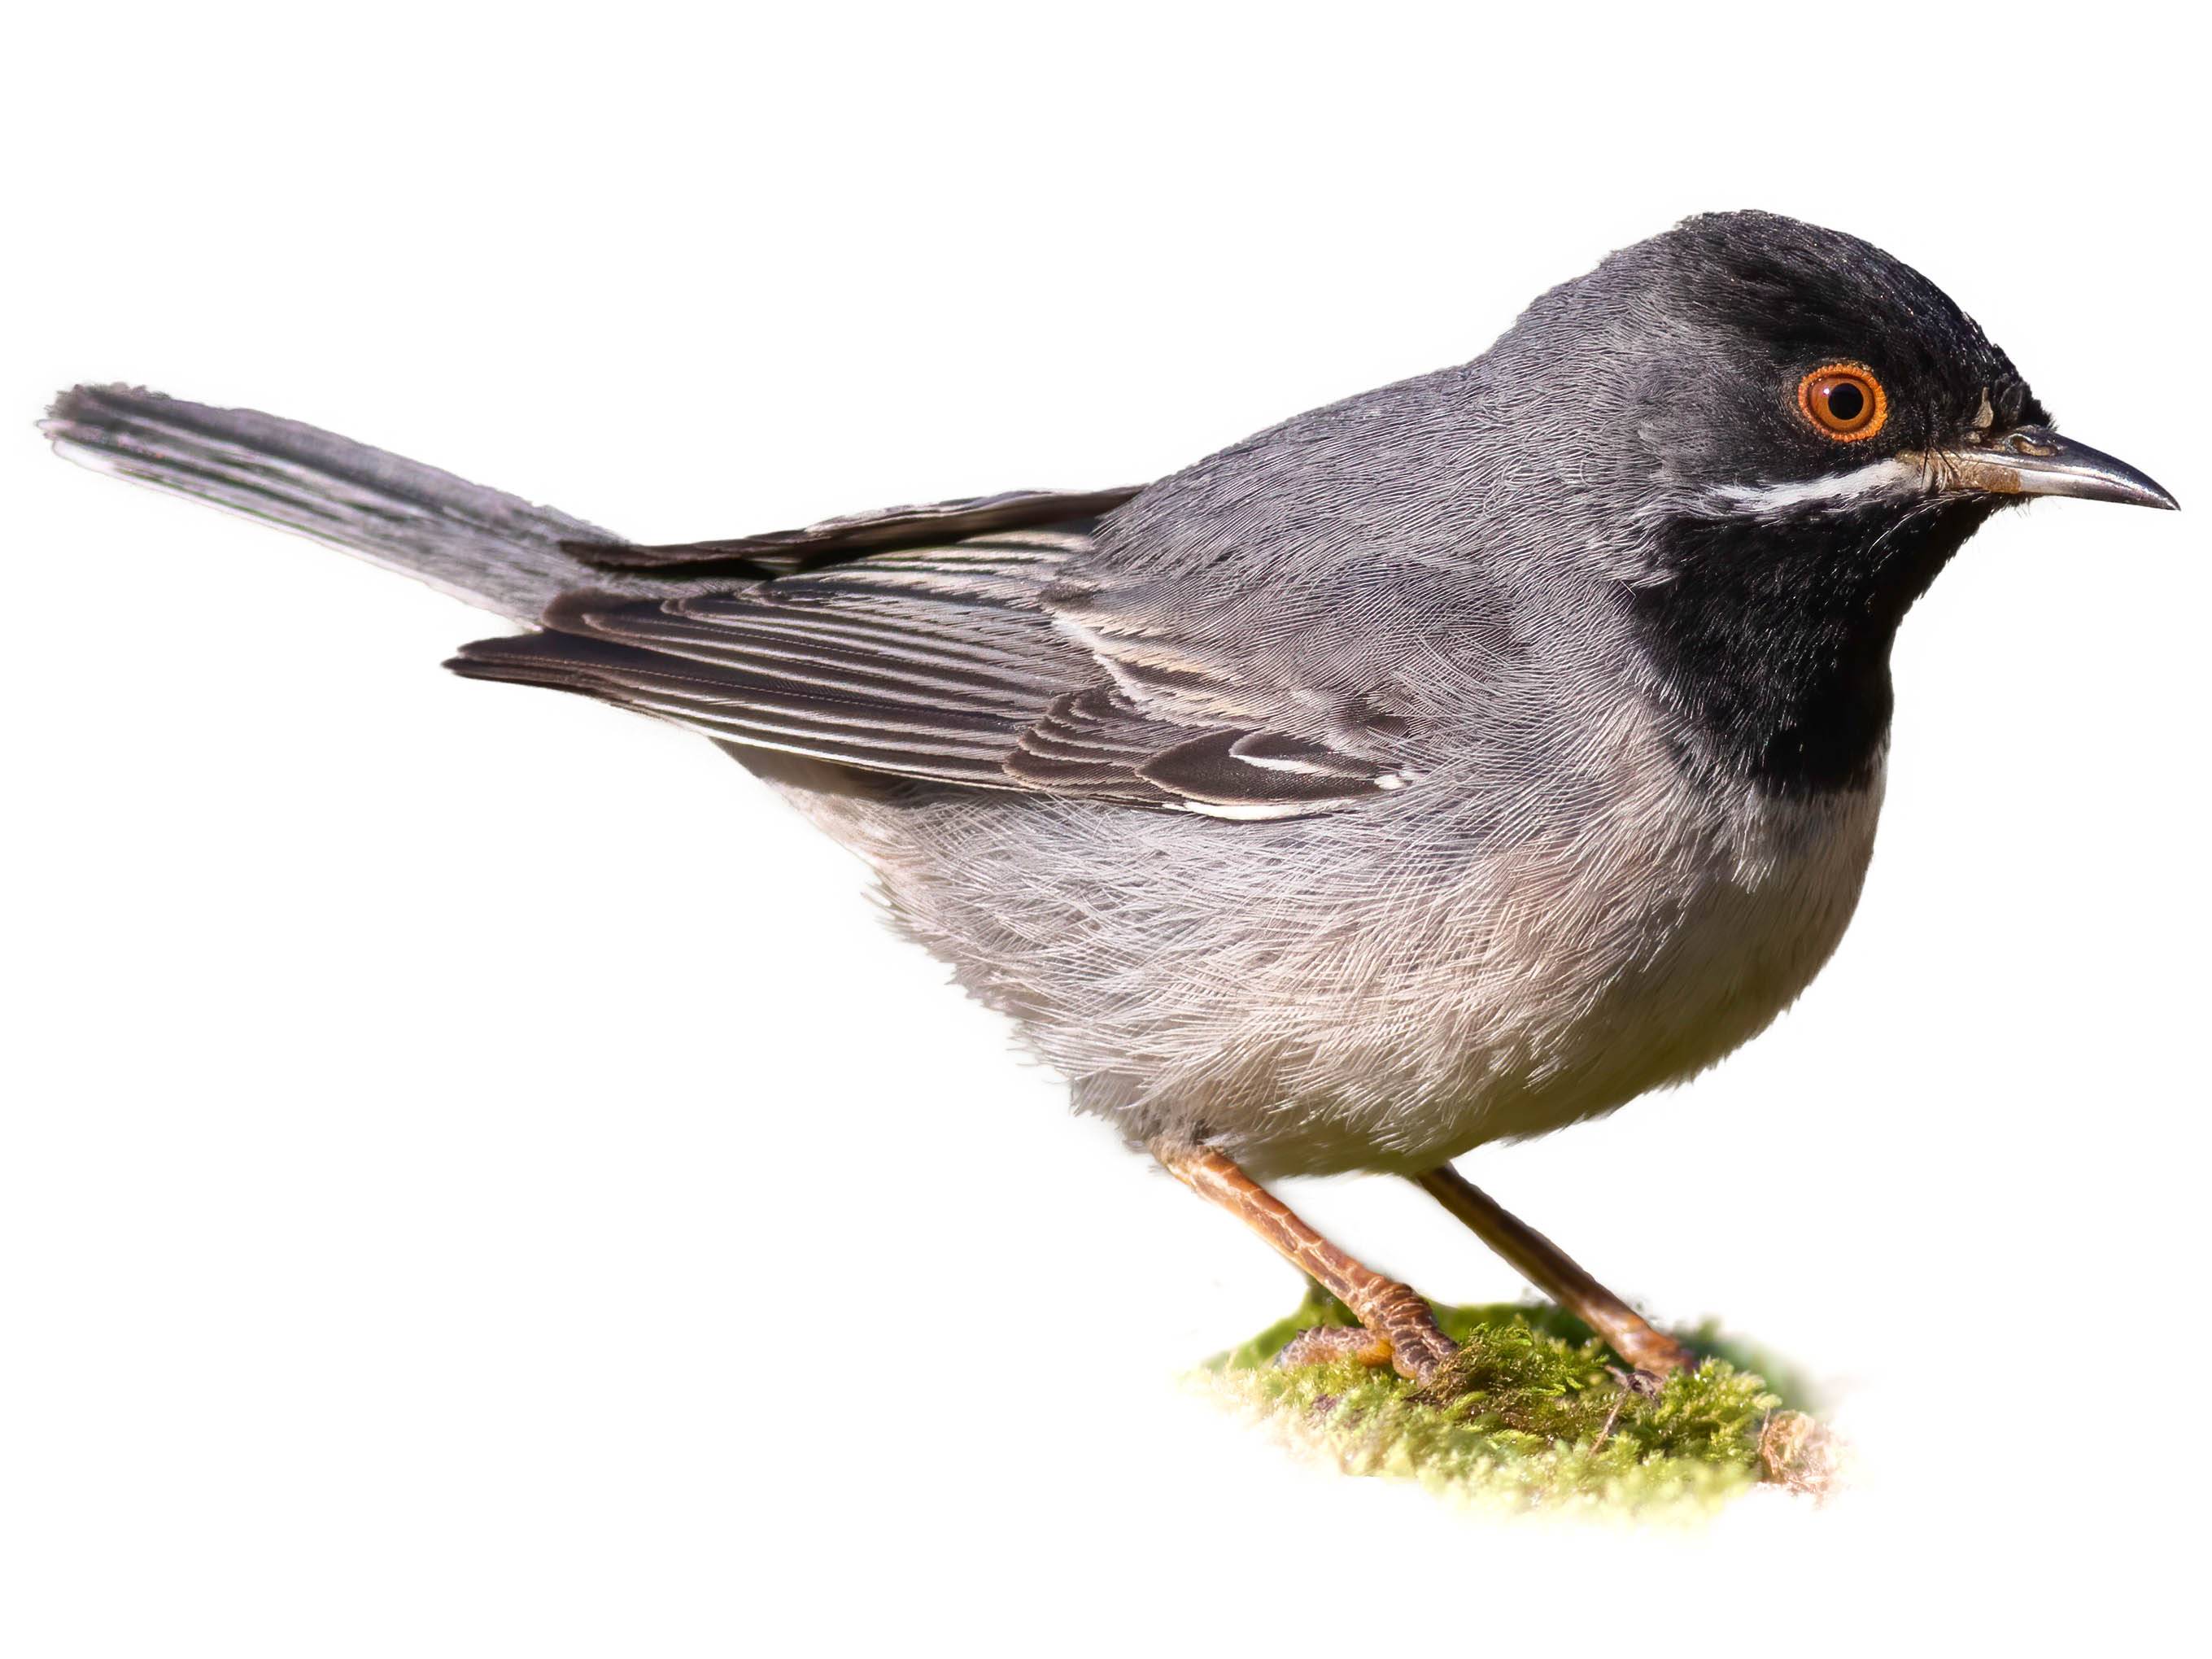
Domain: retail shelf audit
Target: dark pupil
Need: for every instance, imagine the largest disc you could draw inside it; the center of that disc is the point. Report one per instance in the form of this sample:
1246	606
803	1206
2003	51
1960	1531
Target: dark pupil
1846	402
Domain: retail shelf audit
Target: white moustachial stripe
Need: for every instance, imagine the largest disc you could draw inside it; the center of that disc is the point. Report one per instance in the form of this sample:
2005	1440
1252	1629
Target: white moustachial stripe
1892	476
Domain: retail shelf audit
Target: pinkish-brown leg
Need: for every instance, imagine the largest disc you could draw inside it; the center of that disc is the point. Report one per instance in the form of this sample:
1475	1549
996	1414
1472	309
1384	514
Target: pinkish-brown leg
1552	1271
1397	1325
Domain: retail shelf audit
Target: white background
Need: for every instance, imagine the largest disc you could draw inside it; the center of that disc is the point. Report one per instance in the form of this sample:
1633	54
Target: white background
478	1180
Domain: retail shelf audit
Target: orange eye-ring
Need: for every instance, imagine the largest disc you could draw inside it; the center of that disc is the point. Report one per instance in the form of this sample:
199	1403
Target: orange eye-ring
1843	402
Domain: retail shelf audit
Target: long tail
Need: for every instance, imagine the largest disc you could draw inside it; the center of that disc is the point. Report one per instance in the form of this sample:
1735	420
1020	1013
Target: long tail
489	549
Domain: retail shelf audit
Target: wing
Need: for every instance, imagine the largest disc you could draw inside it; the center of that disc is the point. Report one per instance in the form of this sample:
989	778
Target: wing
953	662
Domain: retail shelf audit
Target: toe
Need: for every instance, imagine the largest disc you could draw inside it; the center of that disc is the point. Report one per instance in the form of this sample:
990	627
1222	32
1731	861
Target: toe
1327	1343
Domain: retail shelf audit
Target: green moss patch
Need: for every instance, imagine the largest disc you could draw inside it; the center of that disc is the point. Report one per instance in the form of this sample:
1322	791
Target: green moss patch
1537	1414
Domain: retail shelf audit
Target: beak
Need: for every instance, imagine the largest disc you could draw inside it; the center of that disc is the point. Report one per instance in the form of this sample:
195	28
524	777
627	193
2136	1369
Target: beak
2033	460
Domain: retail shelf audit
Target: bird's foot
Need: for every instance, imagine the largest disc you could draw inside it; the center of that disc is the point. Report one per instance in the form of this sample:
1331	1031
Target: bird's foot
1398	1330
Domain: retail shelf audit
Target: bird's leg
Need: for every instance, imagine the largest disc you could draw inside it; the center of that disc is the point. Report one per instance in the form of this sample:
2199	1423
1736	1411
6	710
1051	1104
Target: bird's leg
1397	1324
1550	1269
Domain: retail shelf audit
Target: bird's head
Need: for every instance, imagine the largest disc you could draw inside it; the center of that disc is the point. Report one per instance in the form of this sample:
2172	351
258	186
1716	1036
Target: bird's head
1804	430
1776	369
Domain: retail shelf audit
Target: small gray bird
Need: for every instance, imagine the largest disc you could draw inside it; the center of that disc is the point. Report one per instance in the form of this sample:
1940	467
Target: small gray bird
1442	767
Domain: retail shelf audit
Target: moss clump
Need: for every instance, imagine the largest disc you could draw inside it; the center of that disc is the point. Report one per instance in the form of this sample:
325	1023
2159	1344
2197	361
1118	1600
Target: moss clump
1535	1414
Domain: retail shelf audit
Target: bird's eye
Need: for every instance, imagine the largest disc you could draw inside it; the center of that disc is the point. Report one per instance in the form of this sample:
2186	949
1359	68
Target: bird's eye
1844	401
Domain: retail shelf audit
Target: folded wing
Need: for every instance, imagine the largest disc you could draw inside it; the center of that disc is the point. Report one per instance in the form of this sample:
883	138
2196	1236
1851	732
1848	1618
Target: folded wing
949	662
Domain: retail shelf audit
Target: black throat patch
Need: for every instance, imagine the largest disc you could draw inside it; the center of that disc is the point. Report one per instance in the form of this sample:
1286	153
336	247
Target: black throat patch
1772	638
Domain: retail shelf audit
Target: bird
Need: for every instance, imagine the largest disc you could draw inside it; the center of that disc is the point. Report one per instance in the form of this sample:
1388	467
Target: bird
1443	767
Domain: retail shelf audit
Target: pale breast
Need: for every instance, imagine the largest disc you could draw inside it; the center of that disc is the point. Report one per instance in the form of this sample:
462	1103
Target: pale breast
1745	907
1548	983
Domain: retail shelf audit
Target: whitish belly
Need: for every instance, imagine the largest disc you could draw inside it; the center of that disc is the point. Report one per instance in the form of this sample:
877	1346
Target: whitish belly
1317	998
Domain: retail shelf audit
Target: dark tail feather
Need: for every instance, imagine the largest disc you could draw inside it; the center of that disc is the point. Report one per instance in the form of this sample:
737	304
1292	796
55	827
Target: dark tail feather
492	550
